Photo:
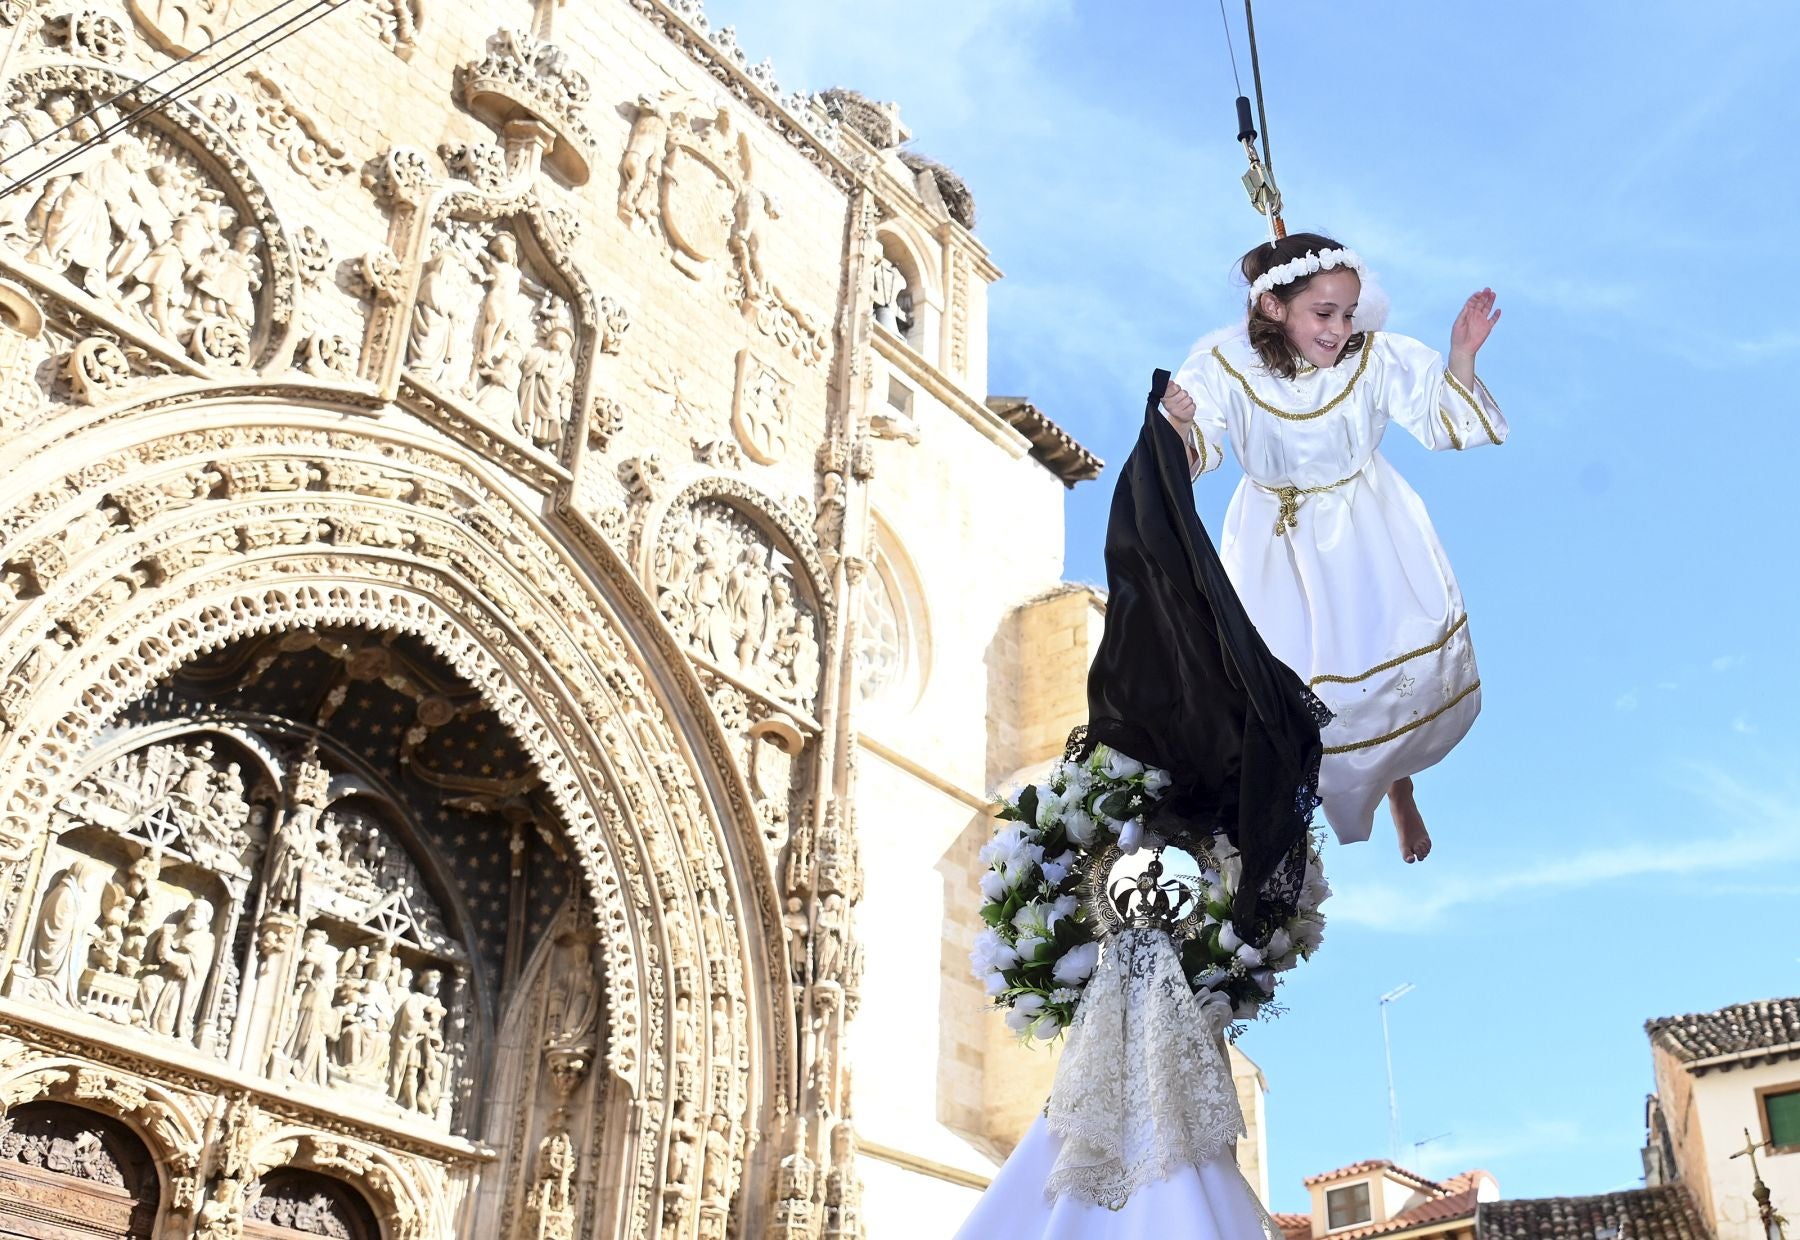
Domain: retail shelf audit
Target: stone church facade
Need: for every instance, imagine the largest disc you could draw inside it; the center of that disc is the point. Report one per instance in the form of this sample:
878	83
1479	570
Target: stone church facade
513	594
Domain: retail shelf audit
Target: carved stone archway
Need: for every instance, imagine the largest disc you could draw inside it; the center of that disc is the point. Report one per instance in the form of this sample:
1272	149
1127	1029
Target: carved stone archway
127	567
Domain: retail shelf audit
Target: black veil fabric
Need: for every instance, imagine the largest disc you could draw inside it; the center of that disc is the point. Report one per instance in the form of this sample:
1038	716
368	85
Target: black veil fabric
1183	681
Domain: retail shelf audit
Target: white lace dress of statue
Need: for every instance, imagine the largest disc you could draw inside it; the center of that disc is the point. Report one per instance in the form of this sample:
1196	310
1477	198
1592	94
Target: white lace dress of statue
1334	554
1139	1139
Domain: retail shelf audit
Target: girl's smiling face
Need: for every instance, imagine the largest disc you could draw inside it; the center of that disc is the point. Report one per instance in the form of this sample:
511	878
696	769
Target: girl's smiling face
1317	322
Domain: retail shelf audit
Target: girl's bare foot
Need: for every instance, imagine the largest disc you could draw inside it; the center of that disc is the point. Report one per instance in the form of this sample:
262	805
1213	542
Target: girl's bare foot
1415	840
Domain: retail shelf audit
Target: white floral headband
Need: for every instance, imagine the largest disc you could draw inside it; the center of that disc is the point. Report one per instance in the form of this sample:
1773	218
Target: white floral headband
1310	263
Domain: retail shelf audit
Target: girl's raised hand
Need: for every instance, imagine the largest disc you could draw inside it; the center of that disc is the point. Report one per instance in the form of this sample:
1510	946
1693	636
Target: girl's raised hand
1178	404
1474	324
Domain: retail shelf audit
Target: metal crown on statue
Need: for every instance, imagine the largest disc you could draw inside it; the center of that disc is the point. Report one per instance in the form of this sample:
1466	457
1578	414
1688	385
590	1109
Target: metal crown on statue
1148	902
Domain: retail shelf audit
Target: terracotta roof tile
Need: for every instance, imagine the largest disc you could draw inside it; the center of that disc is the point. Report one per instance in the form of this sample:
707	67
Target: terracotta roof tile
1294	1226
1664	1213
1448	1209
1375	1164
1742	1030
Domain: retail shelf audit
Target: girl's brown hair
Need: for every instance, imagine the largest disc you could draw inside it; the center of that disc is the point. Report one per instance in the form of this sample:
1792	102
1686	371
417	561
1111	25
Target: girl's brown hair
1267	336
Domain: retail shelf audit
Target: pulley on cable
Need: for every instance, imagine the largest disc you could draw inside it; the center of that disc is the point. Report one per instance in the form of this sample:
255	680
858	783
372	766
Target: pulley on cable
1259	179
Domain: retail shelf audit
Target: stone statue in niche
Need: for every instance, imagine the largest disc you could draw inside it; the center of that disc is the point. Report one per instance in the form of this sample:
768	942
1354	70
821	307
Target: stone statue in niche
732	596
364	1006
484	329
304	1050
440	346
177	963
546	379
50	967
416	1060
828	940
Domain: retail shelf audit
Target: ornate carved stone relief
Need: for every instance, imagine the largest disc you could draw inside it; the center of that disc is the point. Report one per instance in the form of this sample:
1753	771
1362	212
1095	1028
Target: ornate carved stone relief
134	922
182	26
163	223
728	588
395	22
295	134
485	330
688	175
761	409
319	585
524	76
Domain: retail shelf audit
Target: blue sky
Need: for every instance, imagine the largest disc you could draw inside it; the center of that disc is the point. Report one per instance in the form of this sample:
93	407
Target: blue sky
1618	839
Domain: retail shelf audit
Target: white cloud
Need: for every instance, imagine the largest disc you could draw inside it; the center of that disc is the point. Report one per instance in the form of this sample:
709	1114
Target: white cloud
1725	662
1773	840
1743	727
1626	702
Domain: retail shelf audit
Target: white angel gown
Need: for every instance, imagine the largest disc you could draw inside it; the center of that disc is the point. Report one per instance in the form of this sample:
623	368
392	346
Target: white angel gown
1139	1139
1333	553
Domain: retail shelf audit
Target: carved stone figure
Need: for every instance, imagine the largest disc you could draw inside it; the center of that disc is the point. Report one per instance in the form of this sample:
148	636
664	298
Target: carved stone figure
304	1049
545	375
52	963
441	344
228	280
640	168
176	965
828	939
500	304
552	1198
418	1040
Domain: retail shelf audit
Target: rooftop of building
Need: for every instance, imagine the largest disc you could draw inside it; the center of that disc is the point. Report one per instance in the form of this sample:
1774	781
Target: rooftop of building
1055	448
1744	1032
1663	1213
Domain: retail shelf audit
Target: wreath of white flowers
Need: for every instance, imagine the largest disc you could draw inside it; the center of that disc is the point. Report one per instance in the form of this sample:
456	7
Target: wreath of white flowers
1043	940
1310	263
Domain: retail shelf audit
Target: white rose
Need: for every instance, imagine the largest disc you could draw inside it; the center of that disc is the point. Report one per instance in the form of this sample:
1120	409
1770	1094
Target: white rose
1246	1011
1278	945
1057	868
993	887
1309	932
1228	937
1121	766
1063	906
1046	1026
1028	946
1211	977
1049	806
1248	956
1156	781
992	952
1079	824
1131	836
995	984
1264	979
1025	1010
1077	964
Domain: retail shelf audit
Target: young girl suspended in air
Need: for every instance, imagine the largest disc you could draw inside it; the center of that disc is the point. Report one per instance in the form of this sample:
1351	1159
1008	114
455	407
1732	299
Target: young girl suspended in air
1332	553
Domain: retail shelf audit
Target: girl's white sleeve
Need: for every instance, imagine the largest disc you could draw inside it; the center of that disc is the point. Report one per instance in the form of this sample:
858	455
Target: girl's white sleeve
1419	393
1199	376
